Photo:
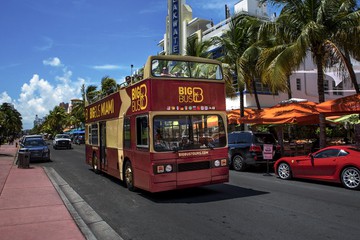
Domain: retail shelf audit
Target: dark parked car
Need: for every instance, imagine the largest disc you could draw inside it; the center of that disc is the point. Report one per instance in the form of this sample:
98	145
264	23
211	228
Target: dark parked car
37	147
246	148
339	164
62	141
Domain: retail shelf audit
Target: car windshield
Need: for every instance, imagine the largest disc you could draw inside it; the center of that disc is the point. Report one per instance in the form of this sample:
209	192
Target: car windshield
62	136
188	132
34	142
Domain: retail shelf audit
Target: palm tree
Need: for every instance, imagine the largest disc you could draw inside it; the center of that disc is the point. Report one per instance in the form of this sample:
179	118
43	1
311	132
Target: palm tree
233	46
235	42
56	120
91	94
108	85
198	49
312	26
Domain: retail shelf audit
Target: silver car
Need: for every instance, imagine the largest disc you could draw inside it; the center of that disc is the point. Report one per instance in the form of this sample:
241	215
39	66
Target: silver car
62	141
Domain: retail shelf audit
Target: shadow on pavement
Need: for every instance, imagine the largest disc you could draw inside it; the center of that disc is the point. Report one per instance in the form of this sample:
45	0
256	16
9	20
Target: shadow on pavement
211	193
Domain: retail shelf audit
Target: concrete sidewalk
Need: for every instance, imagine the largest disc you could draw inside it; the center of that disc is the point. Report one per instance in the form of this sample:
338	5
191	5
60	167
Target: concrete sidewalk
30	206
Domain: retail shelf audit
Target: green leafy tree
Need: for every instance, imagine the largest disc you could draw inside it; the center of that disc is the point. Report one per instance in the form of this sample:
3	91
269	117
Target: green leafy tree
10	121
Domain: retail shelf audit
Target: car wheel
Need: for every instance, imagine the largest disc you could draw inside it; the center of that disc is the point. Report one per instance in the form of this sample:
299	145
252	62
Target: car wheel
238	163
129	176
350	178
94	164
284	171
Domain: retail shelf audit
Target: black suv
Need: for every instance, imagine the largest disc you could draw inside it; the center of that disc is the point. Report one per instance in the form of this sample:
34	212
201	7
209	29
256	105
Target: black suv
246	148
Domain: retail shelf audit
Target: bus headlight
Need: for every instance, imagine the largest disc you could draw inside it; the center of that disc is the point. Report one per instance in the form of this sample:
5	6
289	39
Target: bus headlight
163	168
220	162
168	168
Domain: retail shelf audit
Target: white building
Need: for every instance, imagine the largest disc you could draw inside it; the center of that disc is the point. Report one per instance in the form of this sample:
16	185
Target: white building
181	25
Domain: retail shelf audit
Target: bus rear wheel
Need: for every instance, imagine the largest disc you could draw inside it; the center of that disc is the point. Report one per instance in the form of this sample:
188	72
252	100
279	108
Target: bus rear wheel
129	176
94	164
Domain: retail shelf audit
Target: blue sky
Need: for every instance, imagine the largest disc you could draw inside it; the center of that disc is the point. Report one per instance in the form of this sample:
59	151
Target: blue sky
49	48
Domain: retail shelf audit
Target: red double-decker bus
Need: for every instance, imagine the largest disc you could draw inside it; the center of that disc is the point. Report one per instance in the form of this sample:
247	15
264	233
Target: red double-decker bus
167	131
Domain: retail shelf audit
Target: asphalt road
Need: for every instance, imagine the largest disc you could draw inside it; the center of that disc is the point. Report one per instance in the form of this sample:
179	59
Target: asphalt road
251	206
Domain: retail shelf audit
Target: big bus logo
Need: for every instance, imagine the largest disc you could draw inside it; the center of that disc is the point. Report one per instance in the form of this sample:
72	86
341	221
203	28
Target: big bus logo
139	98
190	95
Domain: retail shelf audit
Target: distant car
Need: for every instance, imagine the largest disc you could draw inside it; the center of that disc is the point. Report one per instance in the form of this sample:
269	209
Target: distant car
246	148
37	147
333	164
62	141
79	139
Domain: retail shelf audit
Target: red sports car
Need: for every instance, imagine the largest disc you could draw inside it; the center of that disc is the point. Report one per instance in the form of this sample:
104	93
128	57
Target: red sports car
333	164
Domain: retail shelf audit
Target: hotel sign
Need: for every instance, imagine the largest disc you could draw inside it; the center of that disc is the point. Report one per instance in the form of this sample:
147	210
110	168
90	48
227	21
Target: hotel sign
175	27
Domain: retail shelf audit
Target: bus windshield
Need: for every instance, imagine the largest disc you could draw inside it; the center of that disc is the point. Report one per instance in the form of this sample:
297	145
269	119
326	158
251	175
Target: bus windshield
173	133
185	69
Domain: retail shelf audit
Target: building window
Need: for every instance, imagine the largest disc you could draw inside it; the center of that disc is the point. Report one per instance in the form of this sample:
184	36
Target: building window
338	90
326	86
298	84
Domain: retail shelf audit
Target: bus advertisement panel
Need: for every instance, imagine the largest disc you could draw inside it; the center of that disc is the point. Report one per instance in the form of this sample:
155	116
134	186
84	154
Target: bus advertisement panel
163	132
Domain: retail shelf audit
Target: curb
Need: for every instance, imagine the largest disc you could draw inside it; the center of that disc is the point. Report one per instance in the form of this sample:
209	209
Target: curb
89	222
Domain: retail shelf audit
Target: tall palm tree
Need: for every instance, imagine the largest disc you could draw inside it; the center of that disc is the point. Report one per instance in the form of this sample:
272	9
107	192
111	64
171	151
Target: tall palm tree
233	44
311	26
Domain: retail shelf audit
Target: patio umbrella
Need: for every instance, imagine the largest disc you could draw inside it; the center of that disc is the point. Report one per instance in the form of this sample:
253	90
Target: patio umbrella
340	106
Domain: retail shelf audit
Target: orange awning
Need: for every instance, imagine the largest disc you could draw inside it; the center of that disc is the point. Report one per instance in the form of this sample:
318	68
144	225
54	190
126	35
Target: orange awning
289	113
344	105
234	115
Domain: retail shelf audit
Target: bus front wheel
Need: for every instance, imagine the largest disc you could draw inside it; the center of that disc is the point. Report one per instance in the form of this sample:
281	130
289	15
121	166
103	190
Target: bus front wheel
129	176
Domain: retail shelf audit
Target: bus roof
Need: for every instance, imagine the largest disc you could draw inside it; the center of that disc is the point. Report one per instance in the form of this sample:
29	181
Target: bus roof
147	68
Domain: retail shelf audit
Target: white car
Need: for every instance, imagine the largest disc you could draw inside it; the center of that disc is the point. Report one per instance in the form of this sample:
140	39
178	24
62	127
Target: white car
62	141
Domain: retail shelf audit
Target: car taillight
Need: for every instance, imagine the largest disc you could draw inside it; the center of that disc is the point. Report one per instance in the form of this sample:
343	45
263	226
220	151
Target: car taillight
278	147
255	148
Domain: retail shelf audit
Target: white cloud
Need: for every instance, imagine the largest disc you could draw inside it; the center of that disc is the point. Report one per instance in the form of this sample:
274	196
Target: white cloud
39	96
106	67
5	98
46	45
54	62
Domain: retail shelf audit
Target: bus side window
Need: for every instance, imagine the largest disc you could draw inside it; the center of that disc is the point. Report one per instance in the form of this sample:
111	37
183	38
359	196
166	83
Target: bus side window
142	131
127	133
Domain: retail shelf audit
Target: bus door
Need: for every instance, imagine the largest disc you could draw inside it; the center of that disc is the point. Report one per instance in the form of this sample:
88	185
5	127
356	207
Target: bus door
103	161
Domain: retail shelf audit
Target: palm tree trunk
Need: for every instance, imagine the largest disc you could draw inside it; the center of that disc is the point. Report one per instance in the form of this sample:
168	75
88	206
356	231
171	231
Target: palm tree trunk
289	88
242	108
350	68
255	94
320	83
